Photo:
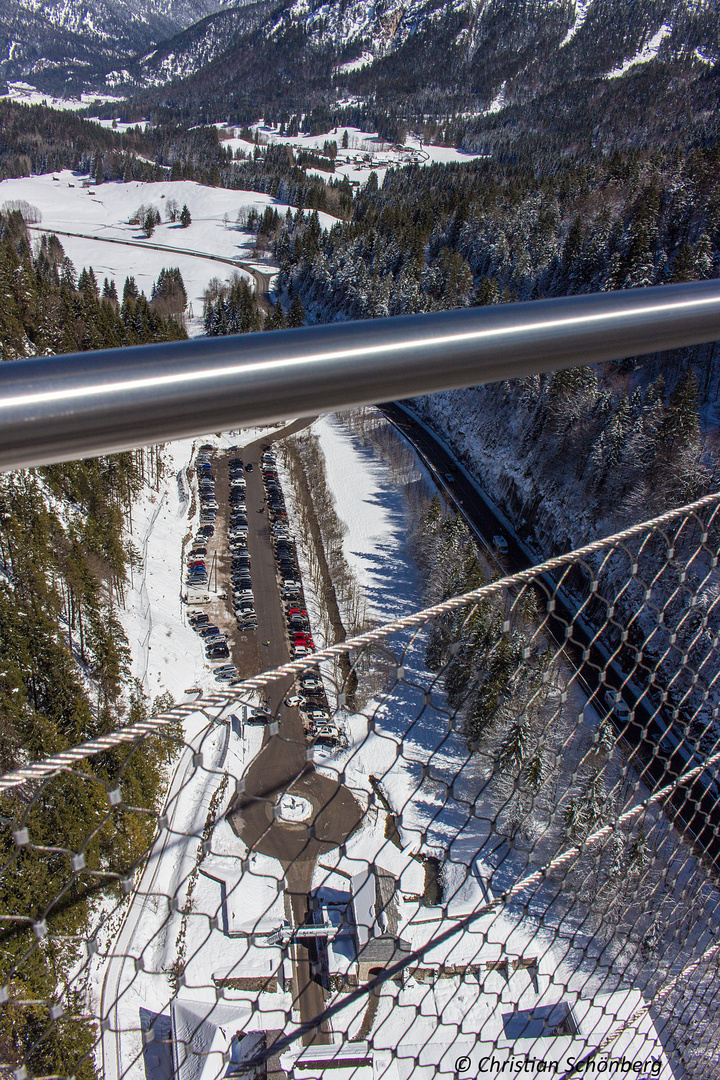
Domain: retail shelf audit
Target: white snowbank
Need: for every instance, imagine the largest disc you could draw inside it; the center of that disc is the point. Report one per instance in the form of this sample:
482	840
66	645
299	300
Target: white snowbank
581	11
648	52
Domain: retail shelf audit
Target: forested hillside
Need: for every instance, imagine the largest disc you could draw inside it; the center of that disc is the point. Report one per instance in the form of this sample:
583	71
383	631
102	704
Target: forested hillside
593	447
64	660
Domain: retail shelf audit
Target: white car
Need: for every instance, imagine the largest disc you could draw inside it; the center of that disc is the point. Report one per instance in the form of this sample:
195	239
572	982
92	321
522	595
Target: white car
318	716
501	544
621	710
295	701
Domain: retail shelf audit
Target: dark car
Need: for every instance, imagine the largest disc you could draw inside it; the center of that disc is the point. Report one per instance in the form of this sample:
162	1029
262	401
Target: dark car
248	467
218	652
209	630
259	716
208	530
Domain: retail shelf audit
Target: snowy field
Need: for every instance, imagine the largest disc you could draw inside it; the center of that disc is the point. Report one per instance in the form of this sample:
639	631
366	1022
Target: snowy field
26	94
101	212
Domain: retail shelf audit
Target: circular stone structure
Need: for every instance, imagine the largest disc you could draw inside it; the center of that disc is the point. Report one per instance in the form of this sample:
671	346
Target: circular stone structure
293	809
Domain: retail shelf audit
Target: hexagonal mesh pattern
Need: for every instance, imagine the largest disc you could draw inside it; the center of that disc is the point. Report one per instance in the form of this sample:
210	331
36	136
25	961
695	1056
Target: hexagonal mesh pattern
482	839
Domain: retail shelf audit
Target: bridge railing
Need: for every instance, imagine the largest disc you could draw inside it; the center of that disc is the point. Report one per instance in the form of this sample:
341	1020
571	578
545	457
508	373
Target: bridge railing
508	804
64	407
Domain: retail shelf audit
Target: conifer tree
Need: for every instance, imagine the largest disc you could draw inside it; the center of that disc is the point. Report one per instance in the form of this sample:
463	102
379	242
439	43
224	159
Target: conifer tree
296	314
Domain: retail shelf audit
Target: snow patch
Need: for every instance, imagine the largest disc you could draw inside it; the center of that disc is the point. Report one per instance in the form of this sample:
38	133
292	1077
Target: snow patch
581	10
362	61
648	52
498	103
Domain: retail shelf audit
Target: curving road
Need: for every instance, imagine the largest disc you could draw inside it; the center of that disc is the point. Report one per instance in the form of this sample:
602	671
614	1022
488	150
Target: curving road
261	278
695	809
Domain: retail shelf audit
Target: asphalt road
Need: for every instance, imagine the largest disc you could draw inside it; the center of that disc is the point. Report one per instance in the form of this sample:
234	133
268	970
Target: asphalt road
283	764
261	278
695	810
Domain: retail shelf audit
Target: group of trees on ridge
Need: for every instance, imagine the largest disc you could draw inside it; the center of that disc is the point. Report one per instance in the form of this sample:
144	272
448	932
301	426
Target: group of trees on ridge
48	308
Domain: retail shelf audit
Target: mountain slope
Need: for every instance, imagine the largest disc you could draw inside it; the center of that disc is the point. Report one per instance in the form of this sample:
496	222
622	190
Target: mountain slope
52	43
468	56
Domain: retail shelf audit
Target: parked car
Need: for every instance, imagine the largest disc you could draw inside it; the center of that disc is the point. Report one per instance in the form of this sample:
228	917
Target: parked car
619	707
318	716
217	652
259	716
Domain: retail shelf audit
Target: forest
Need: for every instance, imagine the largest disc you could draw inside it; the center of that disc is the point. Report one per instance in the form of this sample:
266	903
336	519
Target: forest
494	232
64	663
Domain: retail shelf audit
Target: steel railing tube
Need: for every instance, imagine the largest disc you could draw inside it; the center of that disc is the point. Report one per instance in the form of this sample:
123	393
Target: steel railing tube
64	407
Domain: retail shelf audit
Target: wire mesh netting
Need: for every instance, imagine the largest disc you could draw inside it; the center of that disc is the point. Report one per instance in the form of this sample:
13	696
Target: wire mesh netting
483	839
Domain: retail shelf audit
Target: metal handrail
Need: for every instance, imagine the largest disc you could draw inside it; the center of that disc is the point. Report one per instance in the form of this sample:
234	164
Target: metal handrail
79	405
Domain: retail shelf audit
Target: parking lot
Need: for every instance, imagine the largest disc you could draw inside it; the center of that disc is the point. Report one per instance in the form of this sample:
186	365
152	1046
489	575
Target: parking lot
242	565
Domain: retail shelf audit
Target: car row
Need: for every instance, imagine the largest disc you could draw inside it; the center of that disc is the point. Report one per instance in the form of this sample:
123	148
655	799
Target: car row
298	624
240	561
206	485
214	640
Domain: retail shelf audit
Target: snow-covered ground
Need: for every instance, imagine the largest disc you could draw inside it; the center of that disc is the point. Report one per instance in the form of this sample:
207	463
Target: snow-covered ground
372	506
26	94
648	52
581	12
499	102
366	151
101	212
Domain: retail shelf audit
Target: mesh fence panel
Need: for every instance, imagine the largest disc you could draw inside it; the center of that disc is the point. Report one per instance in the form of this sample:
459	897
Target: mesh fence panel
483	839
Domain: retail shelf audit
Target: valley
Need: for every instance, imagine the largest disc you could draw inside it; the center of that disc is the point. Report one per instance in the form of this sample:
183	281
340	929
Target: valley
386	743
